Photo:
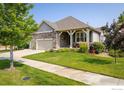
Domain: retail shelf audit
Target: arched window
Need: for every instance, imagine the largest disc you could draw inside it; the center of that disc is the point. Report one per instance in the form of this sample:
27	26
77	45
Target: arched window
80	37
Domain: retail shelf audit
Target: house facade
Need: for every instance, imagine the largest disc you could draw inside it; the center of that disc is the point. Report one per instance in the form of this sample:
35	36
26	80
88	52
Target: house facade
102	34
63	33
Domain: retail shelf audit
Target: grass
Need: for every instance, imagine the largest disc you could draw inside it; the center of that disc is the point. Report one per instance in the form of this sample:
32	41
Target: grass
85	62
37	77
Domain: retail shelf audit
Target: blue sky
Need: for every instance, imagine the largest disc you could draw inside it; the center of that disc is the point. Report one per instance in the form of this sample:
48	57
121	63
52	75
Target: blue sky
95	14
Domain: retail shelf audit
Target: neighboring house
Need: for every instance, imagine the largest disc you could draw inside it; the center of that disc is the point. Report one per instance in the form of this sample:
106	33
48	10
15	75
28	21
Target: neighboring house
3	47
63	33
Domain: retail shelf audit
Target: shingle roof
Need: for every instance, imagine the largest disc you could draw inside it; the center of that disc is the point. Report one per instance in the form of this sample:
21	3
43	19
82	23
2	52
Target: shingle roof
68	23
99	29
53	25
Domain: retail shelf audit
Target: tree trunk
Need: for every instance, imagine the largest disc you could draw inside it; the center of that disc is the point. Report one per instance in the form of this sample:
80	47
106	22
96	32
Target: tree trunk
11	58
115	55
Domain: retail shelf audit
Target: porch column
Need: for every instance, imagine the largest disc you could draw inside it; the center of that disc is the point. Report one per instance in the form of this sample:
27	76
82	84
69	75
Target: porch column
88	37
71	37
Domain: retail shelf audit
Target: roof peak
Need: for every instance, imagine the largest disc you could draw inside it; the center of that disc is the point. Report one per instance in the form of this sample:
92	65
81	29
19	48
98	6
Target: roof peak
67	17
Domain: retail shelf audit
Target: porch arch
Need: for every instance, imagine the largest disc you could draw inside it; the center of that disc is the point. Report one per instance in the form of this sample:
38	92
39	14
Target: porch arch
64	39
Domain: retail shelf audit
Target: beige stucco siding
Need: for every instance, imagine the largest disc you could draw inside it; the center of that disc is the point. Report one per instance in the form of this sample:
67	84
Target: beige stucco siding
102	37
95	37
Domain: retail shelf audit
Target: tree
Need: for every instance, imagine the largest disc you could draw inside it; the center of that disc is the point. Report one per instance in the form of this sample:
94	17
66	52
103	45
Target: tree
114	35
121	32
16	25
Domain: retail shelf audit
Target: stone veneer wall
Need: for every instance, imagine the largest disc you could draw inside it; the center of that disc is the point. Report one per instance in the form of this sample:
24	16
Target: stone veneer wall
64	40
46	35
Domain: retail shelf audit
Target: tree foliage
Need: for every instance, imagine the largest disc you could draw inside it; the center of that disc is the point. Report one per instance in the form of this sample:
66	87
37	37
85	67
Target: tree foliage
16	24
114	34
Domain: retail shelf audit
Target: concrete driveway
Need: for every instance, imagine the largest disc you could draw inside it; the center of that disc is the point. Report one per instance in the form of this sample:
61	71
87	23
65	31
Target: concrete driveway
20	53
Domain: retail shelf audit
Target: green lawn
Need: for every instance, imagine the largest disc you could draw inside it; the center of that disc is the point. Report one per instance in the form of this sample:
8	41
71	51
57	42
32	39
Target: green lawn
87	62
37	77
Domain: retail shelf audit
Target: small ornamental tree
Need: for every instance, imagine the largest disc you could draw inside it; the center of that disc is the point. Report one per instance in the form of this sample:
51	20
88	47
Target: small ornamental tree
120	36
114	34
16	26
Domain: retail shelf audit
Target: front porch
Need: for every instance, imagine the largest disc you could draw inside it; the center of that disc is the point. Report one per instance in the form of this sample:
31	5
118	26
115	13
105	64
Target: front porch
68	39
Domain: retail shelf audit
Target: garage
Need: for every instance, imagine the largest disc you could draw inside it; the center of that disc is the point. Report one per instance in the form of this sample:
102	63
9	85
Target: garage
44	44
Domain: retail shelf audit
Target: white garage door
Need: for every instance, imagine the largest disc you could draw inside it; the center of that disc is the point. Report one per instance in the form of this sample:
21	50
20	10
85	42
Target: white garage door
44	44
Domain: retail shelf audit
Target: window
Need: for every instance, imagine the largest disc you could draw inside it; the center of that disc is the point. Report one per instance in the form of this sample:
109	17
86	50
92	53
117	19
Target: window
80	37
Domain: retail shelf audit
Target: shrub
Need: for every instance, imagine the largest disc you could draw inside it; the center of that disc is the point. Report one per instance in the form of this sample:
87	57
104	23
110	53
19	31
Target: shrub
51	50
98	46
83	47
23	46
119	53
64	50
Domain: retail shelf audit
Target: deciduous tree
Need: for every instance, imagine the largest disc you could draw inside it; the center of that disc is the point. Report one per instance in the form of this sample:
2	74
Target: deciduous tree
114	34
16	25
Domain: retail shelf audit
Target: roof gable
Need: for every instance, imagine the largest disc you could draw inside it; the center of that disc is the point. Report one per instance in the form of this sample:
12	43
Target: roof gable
44	27
70	23
51	24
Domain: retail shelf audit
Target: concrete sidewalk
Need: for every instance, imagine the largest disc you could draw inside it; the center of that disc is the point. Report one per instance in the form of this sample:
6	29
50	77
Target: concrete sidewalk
82	76
78	75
